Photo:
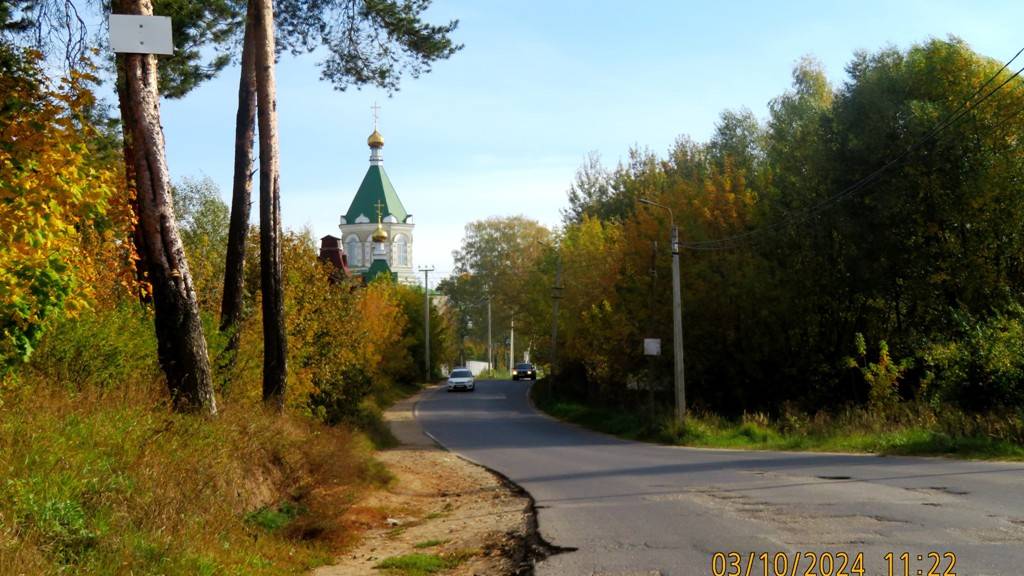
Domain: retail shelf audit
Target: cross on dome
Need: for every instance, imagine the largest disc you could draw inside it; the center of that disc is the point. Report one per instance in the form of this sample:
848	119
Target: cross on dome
380	235
375	141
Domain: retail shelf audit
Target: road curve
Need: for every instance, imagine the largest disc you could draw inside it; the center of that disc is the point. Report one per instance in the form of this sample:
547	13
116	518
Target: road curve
634	508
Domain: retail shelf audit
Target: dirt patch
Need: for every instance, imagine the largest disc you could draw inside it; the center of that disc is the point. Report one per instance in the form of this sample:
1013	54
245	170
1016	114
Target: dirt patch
441	505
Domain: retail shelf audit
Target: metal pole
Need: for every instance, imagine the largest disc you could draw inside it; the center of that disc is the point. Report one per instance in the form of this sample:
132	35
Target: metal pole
426	320
677	329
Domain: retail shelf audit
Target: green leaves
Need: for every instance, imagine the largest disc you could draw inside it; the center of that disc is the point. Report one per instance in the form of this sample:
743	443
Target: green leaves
58	189
368	42
769	317
206	35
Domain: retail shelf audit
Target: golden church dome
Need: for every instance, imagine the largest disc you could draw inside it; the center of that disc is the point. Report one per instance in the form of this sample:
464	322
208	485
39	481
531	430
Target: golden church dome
380	234
375	140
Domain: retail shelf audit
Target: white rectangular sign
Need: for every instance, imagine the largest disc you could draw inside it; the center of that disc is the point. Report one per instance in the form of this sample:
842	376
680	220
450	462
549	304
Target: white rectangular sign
652	346
141	34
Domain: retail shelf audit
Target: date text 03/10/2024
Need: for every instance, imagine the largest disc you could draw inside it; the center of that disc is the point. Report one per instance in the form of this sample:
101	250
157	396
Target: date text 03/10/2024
832	564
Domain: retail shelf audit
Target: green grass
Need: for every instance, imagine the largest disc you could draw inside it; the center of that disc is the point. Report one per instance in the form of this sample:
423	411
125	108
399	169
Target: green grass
111	483
906	430
495	375
422	564
273	518
370	418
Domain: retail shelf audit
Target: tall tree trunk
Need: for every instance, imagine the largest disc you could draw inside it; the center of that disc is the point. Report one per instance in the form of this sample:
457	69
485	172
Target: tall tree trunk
241	191
181	347
129	169
274	345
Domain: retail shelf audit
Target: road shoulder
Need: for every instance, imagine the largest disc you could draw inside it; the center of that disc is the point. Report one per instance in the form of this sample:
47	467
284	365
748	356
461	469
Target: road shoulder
439	505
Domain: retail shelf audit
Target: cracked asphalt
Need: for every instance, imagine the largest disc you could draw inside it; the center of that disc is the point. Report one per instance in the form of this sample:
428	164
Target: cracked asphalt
634	508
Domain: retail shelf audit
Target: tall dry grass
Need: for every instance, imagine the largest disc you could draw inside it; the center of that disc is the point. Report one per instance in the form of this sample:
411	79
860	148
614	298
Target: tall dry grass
98	476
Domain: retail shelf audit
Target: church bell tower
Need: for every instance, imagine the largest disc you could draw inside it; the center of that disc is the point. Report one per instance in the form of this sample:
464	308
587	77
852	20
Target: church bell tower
376	226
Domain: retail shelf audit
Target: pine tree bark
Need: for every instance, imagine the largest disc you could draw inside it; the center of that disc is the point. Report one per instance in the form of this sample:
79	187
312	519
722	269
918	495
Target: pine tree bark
128	151
241	191
274	344
181	347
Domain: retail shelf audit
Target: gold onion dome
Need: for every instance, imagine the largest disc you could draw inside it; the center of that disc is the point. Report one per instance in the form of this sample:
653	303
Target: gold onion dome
375	140
380	234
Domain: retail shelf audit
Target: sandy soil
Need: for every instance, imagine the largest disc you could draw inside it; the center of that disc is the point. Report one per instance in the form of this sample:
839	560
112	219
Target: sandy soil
438	504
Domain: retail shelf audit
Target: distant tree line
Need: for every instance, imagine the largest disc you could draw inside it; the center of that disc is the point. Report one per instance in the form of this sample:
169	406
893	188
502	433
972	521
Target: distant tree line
811	278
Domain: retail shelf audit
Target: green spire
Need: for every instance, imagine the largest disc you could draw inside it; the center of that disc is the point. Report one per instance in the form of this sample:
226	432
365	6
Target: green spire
378	268
376	187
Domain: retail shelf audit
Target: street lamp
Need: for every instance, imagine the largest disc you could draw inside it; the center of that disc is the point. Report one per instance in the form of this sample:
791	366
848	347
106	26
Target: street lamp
679	376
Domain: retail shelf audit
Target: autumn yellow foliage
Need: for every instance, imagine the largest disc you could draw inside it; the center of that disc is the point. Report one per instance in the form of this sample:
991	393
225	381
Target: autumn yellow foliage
62	205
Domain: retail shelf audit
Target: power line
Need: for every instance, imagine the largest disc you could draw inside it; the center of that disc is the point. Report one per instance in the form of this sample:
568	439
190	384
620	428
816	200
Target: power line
965	107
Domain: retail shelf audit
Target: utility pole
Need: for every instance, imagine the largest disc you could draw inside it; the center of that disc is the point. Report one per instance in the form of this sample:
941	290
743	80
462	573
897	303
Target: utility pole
677	316
512	345
490	354
556	295
677	327
426	319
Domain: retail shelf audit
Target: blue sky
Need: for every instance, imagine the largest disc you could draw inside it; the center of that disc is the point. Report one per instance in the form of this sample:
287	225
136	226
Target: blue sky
501	128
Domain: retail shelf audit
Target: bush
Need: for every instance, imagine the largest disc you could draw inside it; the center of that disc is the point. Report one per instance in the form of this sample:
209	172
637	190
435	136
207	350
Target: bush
101	348
339	393
882	377
62	204
983	367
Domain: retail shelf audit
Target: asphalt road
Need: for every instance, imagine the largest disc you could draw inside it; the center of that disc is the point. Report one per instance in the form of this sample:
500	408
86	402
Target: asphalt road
633	508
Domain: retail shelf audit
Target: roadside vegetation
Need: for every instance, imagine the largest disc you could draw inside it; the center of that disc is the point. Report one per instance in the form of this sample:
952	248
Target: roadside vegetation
99	474
109	481
911	429
827	304
495	375
423	564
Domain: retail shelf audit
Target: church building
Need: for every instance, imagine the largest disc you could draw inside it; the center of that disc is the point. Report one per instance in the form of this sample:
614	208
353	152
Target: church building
376	231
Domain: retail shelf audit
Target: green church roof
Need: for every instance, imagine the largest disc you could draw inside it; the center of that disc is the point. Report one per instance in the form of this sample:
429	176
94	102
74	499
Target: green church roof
377	268
376	187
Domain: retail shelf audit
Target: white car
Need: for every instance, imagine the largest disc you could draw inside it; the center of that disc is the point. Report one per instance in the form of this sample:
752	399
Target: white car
461	379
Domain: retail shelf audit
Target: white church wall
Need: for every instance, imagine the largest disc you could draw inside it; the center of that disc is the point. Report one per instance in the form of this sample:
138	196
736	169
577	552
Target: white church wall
363	233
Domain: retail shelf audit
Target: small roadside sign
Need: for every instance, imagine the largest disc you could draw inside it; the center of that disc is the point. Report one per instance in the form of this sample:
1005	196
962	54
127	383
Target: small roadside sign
652	346
134	34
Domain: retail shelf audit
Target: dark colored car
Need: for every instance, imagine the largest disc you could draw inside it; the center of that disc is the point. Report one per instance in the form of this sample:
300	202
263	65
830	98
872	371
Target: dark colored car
524	372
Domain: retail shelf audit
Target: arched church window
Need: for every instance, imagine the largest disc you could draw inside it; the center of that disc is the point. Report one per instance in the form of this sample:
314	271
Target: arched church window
402	250
354	251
